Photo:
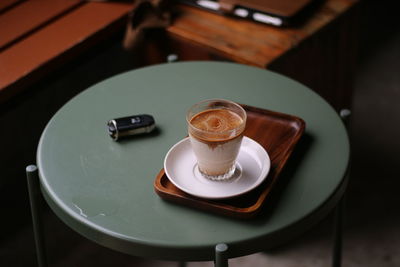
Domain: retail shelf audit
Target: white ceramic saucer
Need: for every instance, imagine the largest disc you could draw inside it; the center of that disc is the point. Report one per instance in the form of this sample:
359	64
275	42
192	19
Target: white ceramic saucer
252	167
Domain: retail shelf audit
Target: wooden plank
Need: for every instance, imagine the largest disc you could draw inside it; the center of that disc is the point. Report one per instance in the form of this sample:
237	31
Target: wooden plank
4	4
239	40
33	57
28	16
247	42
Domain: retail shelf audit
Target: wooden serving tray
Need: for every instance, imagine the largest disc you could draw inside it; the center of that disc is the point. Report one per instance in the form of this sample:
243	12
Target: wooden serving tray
278	133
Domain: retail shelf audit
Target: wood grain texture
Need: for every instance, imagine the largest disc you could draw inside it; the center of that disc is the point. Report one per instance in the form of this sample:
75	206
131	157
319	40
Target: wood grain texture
278	133
5	4
248	42
37	54
30	15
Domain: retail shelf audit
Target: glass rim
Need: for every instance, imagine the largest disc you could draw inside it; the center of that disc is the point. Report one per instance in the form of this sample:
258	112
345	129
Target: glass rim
216	100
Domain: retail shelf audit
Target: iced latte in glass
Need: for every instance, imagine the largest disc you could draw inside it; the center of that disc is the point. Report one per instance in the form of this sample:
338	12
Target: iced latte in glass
216	130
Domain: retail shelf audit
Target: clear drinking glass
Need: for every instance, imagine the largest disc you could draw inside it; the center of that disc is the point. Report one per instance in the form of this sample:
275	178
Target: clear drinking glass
215	129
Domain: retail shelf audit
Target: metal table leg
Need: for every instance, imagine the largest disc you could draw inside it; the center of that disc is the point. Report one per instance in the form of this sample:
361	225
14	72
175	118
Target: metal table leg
221	258
34	198
337	234
339	210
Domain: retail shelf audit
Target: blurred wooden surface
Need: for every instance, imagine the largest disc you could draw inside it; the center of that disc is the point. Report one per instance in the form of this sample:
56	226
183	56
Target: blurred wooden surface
37	36
318	51
4	4
248	42
28	16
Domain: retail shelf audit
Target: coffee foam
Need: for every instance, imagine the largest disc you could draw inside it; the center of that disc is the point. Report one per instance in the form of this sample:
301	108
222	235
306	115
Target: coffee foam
217	124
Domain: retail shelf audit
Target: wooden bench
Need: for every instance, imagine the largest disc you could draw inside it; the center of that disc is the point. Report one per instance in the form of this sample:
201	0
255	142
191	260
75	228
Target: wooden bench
37	36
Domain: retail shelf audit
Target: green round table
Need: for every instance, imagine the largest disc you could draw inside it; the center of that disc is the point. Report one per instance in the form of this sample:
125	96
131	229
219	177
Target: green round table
104	189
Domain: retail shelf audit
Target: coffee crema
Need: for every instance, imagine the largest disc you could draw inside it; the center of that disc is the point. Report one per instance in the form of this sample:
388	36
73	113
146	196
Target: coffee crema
216	125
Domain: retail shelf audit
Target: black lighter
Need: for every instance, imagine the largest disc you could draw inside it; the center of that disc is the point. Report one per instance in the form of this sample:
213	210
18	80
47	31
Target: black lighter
131	125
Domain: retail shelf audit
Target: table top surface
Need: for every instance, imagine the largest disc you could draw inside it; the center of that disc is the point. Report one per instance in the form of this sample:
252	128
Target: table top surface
104	189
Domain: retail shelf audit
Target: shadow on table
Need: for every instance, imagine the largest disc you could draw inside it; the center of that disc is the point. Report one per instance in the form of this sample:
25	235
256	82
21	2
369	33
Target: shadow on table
134	138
